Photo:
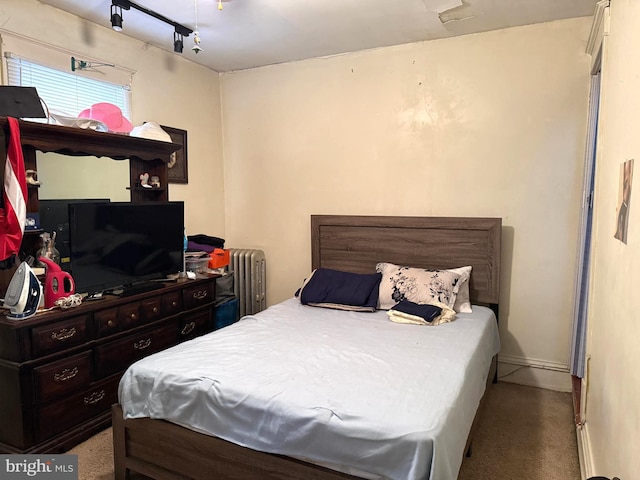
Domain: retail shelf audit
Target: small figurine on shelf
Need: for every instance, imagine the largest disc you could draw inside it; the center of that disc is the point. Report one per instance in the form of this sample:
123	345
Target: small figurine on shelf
144	180
32	178
155	181
48	249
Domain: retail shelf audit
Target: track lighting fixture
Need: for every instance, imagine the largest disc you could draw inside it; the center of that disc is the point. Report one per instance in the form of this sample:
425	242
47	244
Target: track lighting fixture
177	42
116	21
116	17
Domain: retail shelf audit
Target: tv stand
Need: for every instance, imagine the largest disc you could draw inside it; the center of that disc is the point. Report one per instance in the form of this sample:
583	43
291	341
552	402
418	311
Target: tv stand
59	370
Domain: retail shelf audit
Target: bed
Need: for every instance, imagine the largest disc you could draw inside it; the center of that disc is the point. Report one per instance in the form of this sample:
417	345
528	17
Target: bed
169	434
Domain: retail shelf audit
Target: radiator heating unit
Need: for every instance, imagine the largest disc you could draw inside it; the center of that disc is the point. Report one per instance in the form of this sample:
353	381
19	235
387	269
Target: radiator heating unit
249	279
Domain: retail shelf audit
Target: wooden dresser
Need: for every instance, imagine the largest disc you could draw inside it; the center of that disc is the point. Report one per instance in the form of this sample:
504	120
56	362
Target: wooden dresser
59	371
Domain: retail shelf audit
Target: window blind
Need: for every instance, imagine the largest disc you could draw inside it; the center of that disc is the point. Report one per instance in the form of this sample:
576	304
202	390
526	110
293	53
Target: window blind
65	93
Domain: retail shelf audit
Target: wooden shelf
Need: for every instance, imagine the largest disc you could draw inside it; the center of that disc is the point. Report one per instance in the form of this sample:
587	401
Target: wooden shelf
142	189
81	142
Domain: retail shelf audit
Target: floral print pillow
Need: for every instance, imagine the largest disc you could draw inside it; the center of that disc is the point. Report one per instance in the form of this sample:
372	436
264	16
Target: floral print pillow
418	285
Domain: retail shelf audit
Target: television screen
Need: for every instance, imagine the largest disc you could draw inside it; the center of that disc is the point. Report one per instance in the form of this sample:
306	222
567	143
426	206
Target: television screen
54	217
116	245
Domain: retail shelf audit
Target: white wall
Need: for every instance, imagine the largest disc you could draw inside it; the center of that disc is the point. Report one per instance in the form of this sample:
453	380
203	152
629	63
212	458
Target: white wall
166	88
613	394
481	125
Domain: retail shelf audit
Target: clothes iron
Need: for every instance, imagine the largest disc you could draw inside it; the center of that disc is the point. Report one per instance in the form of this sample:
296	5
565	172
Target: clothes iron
24	293
57	283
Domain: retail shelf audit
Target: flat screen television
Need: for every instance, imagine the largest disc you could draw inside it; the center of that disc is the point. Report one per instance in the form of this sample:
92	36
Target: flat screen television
54	217
122	245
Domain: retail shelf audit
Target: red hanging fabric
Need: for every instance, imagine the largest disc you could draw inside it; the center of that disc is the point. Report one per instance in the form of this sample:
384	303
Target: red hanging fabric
13	211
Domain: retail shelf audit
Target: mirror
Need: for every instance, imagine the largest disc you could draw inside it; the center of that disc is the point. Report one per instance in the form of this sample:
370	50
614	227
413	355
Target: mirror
63	176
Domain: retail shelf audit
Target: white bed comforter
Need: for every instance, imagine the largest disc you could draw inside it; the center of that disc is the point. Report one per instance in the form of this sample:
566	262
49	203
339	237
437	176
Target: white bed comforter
344	388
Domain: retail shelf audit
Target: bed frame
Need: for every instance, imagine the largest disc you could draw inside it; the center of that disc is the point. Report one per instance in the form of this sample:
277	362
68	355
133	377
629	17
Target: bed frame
162	450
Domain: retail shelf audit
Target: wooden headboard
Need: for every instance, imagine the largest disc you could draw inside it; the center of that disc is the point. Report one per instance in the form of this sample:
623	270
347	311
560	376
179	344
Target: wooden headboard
358	243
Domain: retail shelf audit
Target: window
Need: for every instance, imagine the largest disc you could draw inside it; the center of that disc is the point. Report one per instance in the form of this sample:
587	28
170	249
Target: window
66	93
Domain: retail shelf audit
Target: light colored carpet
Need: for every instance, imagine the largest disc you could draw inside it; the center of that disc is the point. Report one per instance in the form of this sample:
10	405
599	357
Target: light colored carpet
525	433
95	457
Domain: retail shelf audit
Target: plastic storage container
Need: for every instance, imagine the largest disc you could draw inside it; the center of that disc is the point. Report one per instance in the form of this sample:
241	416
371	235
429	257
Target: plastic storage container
226	314
197	265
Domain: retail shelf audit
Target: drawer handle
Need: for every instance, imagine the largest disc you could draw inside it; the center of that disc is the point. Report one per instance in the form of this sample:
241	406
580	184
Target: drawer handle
63	334
110	323
188	328
155	310
200	294
66	374
142	344
133	316
174	304
94	398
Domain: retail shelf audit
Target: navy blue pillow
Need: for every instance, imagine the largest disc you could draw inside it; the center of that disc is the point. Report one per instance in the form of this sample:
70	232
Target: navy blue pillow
338	289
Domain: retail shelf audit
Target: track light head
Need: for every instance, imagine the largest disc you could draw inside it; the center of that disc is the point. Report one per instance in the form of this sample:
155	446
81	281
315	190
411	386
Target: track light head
178	43
116	18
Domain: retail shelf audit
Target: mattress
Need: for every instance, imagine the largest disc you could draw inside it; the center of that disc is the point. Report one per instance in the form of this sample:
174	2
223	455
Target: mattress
349	389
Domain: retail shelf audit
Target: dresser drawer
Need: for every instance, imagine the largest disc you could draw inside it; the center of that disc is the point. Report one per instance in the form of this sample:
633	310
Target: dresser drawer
198	295
115	319
117	355
62	377
194	325
151	309
106	321
172	303
130	315
58	336
70	411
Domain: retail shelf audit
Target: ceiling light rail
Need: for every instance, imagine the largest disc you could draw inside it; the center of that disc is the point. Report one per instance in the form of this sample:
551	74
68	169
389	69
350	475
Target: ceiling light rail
180	31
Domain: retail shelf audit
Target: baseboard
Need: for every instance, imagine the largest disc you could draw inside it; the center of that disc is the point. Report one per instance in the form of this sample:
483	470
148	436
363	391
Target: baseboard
584	452
535	373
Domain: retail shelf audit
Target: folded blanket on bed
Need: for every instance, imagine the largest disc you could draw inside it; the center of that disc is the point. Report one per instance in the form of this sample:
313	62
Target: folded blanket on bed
421	314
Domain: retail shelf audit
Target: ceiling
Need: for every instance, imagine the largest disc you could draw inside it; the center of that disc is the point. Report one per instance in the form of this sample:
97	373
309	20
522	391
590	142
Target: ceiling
253	33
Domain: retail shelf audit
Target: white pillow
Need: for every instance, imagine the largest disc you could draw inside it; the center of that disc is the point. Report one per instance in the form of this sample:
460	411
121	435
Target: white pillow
463	302
417	285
